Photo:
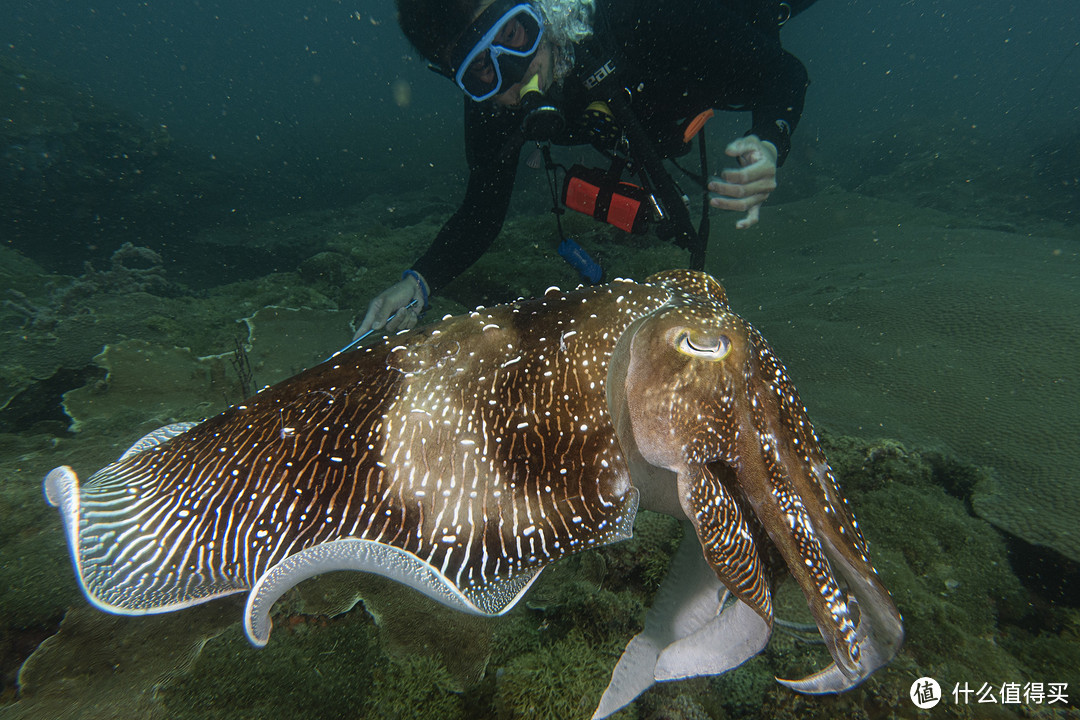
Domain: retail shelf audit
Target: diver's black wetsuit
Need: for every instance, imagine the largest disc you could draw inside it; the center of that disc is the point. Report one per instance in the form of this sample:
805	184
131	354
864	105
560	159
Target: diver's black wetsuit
680	57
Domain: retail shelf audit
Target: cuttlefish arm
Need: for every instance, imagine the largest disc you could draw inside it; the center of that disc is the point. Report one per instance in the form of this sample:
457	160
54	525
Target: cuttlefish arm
714	429
795	495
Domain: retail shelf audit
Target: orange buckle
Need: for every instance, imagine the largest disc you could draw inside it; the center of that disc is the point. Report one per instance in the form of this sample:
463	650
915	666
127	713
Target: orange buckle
696	124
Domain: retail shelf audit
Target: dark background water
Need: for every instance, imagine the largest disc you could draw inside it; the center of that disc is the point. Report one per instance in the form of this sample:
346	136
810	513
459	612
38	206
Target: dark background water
988	64
277	85
294	80
322	103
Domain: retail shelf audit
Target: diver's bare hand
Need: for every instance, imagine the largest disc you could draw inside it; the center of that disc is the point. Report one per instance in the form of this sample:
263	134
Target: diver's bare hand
398	307
745	189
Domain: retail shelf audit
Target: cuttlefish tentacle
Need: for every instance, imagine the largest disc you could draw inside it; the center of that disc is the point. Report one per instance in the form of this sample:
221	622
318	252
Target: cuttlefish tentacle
810	523
788	523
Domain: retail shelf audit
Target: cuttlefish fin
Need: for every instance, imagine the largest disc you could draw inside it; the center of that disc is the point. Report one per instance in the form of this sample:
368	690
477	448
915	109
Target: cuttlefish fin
373	557
163	433
61	486
685	633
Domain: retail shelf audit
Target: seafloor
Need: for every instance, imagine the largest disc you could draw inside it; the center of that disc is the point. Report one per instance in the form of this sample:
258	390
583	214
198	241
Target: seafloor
928	317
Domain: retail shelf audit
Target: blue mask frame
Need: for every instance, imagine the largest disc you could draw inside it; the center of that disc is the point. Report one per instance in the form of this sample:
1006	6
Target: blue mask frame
514	62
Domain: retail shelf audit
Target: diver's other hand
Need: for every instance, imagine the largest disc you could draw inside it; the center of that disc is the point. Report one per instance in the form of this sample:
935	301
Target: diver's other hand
745	189
391	308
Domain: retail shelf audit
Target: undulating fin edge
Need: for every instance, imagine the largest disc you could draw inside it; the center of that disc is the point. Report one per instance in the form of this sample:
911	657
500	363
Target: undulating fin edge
61	488
373	557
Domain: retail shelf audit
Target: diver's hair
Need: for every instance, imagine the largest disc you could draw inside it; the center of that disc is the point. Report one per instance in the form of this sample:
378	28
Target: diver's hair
566	22
431	25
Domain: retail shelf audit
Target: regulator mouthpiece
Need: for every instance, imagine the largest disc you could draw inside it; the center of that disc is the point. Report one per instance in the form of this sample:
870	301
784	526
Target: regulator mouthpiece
543	120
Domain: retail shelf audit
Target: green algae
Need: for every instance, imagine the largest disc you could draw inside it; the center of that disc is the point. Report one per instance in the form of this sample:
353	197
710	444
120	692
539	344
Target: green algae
560	679
307	670
417	688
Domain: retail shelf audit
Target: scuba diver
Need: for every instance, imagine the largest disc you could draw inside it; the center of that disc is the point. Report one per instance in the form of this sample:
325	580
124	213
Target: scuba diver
634	78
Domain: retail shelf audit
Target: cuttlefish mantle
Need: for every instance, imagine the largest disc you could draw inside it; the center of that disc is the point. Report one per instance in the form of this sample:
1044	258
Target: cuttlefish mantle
461	458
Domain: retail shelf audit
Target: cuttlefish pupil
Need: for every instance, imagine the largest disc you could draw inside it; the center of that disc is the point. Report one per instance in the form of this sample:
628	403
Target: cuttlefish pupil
705	348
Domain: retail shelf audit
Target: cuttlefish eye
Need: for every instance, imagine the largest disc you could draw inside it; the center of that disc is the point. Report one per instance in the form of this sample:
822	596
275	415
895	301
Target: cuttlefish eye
708	348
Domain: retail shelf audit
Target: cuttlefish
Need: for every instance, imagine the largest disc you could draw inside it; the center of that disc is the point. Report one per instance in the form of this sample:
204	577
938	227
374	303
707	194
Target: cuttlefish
462	457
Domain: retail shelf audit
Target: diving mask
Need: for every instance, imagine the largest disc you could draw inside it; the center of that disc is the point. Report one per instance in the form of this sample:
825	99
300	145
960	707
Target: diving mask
496	50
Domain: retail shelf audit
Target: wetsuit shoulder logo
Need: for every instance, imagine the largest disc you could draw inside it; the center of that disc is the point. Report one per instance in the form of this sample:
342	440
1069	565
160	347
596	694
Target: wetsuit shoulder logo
598	77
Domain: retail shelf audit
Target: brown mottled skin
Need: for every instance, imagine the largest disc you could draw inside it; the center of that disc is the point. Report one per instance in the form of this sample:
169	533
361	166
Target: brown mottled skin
483	447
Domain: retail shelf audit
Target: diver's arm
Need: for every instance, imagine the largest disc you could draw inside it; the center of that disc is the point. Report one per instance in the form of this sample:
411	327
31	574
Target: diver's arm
470	231
771	83
746	189
492	157
777	101
467	234
743	62
776	107
776	104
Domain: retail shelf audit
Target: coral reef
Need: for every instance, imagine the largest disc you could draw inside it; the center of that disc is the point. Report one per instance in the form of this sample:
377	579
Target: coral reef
100	667
414	688
65	322
174	385
411	626
312	670
132	269
53	335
